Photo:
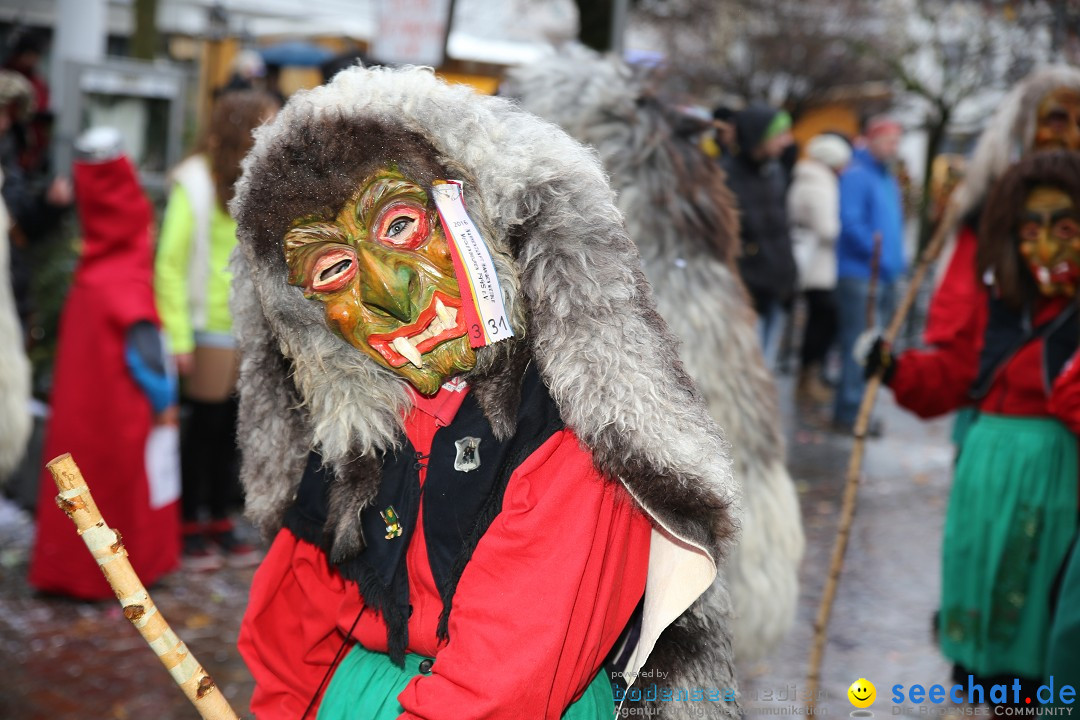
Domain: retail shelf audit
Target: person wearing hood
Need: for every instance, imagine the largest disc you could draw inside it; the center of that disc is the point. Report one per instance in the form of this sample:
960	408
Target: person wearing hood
754	173
113	403
465	425
814	212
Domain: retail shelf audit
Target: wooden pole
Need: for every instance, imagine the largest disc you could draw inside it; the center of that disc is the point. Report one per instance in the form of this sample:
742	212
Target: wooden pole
875	272
851	481
108	549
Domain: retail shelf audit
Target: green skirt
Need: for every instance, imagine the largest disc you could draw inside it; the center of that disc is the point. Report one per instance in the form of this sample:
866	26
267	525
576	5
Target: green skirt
962	421
366	686
1011	519
1063	655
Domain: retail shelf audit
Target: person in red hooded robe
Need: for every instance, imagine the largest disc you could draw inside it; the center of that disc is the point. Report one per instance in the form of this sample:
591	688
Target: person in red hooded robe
113	398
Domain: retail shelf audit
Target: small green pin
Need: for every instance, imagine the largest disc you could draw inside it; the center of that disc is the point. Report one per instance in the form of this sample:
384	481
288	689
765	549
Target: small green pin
393	523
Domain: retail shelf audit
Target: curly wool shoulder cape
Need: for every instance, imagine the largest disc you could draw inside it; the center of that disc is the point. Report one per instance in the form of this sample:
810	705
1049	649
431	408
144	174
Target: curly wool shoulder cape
581	309
683	219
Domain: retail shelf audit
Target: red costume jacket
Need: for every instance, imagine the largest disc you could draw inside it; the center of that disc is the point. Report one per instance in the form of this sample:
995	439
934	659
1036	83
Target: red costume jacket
98	412
548	590
939	380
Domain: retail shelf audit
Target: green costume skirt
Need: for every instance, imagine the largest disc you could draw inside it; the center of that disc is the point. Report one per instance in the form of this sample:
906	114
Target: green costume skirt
1011	519
962	421
1063	655
366	686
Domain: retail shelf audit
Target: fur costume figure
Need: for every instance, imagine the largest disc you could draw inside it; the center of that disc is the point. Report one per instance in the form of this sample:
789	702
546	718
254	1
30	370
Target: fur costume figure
683	219
585	331
15	421
16	95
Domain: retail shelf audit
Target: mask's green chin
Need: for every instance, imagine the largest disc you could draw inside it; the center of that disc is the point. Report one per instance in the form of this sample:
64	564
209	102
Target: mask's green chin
441	363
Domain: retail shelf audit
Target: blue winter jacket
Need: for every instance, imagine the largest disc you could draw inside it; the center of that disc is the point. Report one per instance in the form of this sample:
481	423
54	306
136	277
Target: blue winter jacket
869	203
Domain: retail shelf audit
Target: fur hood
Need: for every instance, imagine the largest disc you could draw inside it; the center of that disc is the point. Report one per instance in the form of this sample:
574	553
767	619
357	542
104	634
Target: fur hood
683	218
674	197
1010	131
578	300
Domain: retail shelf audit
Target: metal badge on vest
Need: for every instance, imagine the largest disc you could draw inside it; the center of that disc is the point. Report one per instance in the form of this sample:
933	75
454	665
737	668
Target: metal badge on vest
468	454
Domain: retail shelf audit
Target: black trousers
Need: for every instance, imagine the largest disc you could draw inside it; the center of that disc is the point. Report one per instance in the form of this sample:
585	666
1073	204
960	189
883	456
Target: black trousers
209	460
821	326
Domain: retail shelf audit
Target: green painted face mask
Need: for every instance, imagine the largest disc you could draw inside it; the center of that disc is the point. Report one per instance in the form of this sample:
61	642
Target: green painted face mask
383	271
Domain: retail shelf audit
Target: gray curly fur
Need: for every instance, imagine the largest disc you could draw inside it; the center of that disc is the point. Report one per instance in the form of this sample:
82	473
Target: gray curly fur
579	302
15	420
682	217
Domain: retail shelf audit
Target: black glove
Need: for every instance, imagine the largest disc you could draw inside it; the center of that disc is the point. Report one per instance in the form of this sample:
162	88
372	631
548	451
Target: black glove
880	359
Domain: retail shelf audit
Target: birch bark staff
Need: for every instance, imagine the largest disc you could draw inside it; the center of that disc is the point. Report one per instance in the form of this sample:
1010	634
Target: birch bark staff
862	421
107	548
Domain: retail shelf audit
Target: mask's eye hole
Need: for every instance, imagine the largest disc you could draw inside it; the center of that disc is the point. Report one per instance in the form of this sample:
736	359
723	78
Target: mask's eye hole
1066	229
402	225
1057	119
333	270
1030	231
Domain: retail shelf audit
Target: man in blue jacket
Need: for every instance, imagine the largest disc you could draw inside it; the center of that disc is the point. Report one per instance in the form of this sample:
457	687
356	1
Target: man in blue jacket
870	206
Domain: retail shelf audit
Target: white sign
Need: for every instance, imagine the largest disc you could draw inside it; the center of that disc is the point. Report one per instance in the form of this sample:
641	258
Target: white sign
163	465
410	32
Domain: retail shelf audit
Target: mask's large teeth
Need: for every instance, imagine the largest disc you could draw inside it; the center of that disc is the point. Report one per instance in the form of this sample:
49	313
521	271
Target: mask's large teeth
407	350
436	327
447	316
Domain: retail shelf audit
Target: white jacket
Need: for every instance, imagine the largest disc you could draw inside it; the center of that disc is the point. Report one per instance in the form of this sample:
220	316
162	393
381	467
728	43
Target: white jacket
813	204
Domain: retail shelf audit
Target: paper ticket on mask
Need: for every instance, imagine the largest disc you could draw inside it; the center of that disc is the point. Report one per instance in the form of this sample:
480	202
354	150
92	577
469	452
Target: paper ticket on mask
481	296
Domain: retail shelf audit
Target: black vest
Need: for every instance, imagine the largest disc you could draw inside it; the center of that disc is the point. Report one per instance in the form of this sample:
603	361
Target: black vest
459	505
1009	330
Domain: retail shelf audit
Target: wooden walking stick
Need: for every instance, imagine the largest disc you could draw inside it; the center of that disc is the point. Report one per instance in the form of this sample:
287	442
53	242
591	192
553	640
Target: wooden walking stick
862	421
107	548
875	272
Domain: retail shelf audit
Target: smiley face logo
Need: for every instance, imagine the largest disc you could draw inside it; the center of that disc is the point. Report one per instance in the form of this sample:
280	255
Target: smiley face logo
862	693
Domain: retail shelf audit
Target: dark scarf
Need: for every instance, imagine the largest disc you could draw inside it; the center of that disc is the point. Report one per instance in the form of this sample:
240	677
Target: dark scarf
1009	330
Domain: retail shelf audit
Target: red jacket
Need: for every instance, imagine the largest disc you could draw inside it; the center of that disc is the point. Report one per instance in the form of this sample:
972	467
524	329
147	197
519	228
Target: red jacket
938	380
549	588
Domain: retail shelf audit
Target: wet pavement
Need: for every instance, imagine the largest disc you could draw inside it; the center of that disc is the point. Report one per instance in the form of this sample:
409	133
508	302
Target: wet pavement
881	624
64	659
61	658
